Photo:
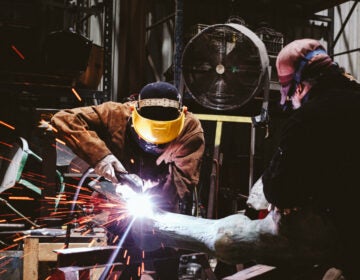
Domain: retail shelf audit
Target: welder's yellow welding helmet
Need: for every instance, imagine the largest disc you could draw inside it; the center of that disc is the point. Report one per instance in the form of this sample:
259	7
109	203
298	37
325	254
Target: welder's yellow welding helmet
158	116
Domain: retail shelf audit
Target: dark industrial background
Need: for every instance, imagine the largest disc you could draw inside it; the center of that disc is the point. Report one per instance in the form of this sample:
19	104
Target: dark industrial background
47	50
57	54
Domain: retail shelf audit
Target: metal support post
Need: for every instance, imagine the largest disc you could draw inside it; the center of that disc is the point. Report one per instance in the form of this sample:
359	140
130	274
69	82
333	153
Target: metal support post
178	43
213	192
108	28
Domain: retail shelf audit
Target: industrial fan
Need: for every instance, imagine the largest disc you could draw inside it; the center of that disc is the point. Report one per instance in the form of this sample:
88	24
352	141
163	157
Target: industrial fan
224	66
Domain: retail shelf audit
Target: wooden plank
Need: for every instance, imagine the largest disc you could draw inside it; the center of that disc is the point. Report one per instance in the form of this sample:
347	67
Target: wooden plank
41	248
31	259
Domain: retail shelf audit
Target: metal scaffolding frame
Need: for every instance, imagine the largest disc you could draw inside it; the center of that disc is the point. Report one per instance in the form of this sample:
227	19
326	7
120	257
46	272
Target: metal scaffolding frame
108	48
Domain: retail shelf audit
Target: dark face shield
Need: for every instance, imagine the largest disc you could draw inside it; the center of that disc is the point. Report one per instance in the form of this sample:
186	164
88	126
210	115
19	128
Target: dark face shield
154	129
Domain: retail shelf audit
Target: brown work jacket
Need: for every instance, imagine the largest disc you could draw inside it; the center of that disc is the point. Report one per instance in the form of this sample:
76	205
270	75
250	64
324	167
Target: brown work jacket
94	132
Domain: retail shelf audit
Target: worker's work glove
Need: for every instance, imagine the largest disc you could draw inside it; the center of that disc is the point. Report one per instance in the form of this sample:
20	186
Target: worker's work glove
108	166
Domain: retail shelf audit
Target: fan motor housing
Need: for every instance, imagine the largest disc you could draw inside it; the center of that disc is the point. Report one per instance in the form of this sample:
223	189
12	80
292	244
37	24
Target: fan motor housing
224	66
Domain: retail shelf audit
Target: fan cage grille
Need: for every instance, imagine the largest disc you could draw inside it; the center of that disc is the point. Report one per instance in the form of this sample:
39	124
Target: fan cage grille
219	83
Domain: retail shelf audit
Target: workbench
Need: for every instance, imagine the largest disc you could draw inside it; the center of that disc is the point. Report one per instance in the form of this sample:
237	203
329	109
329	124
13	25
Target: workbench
39	248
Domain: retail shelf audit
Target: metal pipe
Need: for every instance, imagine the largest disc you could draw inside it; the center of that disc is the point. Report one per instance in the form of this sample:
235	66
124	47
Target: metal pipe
346	52
251	157
78	188
18	213
330	36
165	19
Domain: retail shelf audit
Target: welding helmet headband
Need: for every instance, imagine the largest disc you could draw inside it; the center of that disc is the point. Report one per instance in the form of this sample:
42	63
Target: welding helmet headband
158	116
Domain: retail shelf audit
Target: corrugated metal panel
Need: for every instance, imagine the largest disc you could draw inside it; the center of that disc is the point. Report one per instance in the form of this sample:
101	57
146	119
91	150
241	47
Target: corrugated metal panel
349	39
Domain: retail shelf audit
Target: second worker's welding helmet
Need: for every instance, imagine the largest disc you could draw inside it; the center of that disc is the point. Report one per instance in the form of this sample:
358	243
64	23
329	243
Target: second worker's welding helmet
158	117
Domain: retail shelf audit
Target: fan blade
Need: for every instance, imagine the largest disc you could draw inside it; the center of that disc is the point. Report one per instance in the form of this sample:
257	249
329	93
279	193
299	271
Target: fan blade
217	88
200	82
198	67
242	66
203	49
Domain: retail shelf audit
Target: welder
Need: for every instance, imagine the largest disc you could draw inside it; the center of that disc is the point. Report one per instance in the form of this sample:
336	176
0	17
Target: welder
153	136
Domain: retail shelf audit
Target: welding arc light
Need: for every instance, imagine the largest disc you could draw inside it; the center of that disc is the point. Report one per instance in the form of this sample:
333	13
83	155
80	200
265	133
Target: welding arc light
140	205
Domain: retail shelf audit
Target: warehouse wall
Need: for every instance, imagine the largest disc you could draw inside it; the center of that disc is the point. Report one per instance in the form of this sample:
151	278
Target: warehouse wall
349	39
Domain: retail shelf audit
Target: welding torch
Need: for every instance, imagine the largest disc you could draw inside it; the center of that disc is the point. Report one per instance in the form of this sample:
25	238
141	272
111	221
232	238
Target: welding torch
132	180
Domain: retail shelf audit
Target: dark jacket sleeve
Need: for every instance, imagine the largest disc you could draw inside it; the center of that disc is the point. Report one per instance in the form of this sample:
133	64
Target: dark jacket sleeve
285	178
88	131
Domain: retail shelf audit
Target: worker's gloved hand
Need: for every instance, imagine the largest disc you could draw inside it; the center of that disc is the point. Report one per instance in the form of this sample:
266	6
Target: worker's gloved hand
108	166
